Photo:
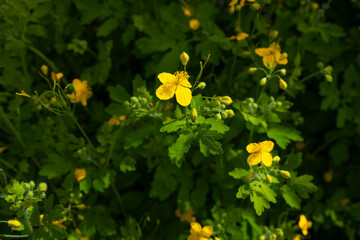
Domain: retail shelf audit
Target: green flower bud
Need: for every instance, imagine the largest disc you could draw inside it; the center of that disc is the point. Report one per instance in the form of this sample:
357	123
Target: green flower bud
328	78
26	186
32	184
252	70
283	71
328	69
269	178
230	112
31	194
262	81
278	103
42	187
272	99
217	116
255	105
134	99
44	69
226	100
320	65
202	85
273	34
250	100
10	198
184	58
224	115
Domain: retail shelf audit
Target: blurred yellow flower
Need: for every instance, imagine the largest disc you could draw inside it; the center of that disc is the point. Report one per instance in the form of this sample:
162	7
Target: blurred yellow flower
194	24
328	176
58	222
57	76
260	152
114	121
186	216
176	84
240	36
82	92
14	223
297	237
304	224
80	174
200	233
272	55
24	94
186	11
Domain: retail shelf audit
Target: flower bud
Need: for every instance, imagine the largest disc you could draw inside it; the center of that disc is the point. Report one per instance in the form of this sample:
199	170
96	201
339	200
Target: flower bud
274	236
250	100
273	34
81	206
31	194
255	105
269	178
217	116
249	176
252	70
285	174
32	184
230	112
245	53
10	198
282	84
314	5
194	24
193	114
80	217
78	232
256	6
320	65
14	223
26	186
262	81
283	71
262	237
328	69
328	78
225	100
44	69
202	85
42	187
278	104
237	7
184	58
224	115
134	99
276	159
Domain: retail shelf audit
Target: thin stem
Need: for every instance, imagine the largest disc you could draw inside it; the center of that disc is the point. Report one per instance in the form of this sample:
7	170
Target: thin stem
41	55
13	236
113	146
306	78
81	129
119	198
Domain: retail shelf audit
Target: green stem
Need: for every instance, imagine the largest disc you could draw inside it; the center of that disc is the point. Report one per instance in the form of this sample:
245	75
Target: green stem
117	133
119	198
306	78
41	55
13	236
15	133
27	224
81	130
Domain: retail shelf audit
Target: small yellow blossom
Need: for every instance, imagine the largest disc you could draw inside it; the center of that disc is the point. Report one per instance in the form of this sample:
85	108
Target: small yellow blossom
80	174
114	121
328	176
200	233
297	237
186	11
57	222
14	223
260	152
176	84
82	92
240	36
186	216
272	55
24	94
57	76
285	174
226	100
194	24
304	224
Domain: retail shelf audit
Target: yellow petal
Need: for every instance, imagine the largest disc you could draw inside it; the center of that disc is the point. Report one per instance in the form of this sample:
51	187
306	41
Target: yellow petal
267	146
80	174
83	101
269	59
253	147
193	237
195	227
77	84
183	96
165	91
283	61
262	52
167	78
254	158
184	82
207	231
233	3
266	158
241	36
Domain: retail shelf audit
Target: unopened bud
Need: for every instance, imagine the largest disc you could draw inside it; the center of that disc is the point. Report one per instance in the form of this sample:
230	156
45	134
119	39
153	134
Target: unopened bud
282	84
230	112
278	103
42	187
81	206
252	70
328	78
262	82
283	71
184	58
262	237
26	186
320	65
238	8
44	69
193	114
250	99
134	99
10	198
14	223
31	194
224	115
249	176
225	100
256	6
255	105
269	178
274	236
285	174
276	159
328	69
314	5
273	34
32	184
246	53
80	217
217	116
78	232
202	85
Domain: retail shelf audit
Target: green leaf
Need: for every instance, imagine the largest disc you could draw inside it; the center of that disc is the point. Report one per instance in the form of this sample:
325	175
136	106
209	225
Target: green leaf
172	125
118	93
107	27
268	193
290	197
178	113
208	143
303	185
102	182
198	196
217	125
293	161
127	164
259	203
16	188
137	136
85	185
243	191
180	147
58	166
165	181
283	135
238	173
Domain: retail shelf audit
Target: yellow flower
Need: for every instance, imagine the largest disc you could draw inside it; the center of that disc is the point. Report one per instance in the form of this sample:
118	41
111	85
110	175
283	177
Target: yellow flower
194	24
240	36
115	121
297	237
260	152
57	76
24	94
176	84
199	233
83	92
304	224
186	11
14	223
186	216
80	174
272	55
57	222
